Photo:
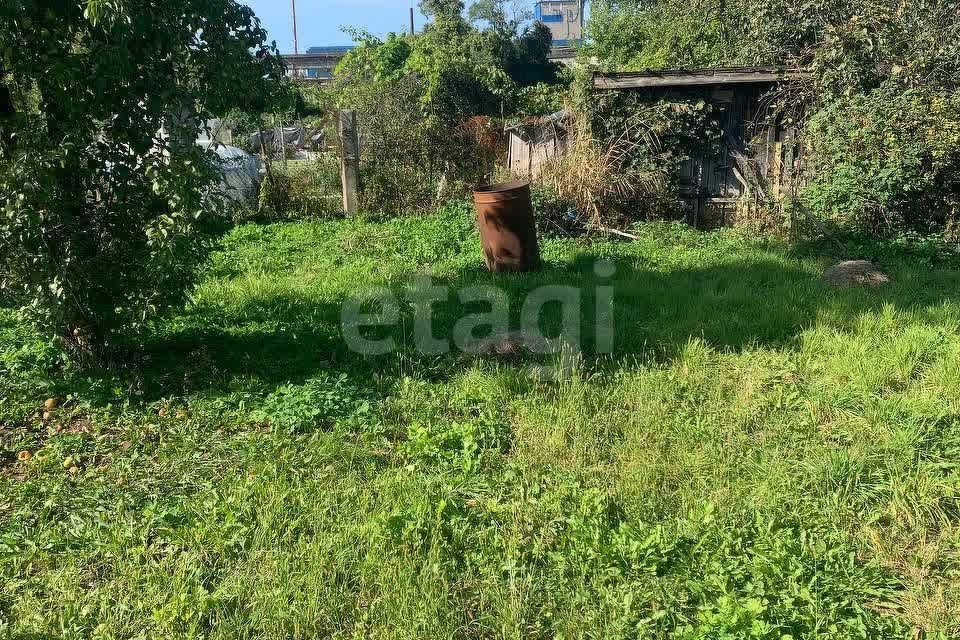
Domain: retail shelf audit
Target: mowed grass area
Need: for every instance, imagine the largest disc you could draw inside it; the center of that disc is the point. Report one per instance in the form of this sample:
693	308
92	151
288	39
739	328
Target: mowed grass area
763	456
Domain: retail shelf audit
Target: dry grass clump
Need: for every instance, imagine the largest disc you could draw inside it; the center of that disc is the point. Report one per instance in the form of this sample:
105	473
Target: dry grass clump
601	180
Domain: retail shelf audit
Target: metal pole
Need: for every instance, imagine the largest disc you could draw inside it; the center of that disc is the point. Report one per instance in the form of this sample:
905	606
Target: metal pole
412	28
296	48
293	7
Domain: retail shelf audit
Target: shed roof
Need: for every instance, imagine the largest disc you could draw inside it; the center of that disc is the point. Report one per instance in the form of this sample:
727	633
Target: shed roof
695	77
558	118
336	49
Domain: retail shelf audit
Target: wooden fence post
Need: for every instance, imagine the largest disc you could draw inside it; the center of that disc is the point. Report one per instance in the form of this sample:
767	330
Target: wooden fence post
350	160
789	182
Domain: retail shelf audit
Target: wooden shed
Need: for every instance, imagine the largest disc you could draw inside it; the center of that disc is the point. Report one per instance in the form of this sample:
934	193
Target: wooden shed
760	160
534	141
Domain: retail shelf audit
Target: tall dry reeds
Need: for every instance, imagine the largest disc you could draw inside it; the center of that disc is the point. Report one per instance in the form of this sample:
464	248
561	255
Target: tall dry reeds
601	180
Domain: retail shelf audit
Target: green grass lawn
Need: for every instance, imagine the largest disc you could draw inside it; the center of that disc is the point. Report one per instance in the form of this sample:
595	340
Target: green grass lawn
763	456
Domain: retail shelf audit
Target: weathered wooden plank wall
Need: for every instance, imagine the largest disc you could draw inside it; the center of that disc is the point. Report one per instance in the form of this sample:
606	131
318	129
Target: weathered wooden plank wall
757	168
531	146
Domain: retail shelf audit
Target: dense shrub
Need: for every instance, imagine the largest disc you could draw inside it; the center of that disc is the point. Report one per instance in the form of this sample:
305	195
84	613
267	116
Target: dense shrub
541	99
601	182
888	160
315	189
103	219
398	159
424	102
304	189
636	34
650	139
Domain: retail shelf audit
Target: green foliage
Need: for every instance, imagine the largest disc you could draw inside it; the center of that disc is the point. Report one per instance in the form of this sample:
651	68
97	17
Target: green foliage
525	56
443	11
303	190
505	16
410	95
849	45
273	201
474	433
633	35
456	82
316	404
669	130
888	160
401	149
855	47
103	219
315	188
726	473
656	136
418	100
541	100
881	61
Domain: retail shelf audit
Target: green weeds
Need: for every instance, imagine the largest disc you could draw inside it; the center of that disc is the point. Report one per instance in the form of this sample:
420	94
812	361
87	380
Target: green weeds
762	456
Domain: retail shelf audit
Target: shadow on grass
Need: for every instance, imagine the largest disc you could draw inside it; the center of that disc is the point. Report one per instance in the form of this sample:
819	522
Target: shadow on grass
766	303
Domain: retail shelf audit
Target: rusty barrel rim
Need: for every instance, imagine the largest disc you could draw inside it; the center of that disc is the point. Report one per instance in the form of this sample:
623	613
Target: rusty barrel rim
501	192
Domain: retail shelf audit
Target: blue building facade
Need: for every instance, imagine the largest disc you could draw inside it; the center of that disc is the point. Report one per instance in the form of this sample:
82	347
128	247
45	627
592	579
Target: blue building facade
330	57
565	19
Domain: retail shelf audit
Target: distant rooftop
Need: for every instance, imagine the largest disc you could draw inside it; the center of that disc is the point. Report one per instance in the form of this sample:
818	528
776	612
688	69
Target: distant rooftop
334	49
695	77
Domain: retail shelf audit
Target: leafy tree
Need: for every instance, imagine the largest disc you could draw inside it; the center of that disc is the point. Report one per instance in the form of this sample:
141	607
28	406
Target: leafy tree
644	34
528	62
503	16
443	12
104	195
464	71
425	101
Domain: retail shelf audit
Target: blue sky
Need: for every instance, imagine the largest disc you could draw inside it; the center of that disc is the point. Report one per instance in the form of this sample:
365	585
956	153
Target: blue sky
319	21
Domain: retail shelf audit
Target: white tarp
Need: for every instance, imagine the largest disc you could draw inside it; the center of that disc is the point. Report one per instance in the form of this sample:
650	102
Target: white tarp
241	175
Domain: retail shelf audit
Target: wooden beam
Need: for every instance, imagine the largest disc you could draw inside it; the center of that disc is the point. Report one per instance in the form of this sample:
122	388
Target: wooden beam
743	165
702	77
788	161
350	160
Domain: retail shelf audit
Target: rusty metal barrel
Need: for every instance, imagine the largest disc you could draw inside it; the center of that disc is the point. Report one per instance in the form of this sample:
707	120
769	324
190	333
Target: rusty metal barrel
507	228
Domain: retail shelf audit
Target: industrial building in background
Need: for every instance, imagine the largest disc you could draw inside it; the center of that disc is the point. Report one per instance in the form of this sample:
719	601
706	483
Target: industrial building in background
317	63
565	19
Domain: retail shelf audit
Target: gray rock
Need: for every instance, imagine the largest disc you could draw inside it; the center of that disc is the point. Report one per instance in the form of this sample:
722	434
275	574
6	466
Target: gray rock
854	273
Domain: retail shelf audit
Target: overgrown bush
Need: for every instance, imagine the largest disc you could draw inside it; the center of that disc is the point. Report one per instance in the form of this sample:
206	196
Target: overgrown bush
636	146
541	99
315	188
398	165
425	102
887	160
633	35
305	189
601	182
410	161
878	111
103	219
